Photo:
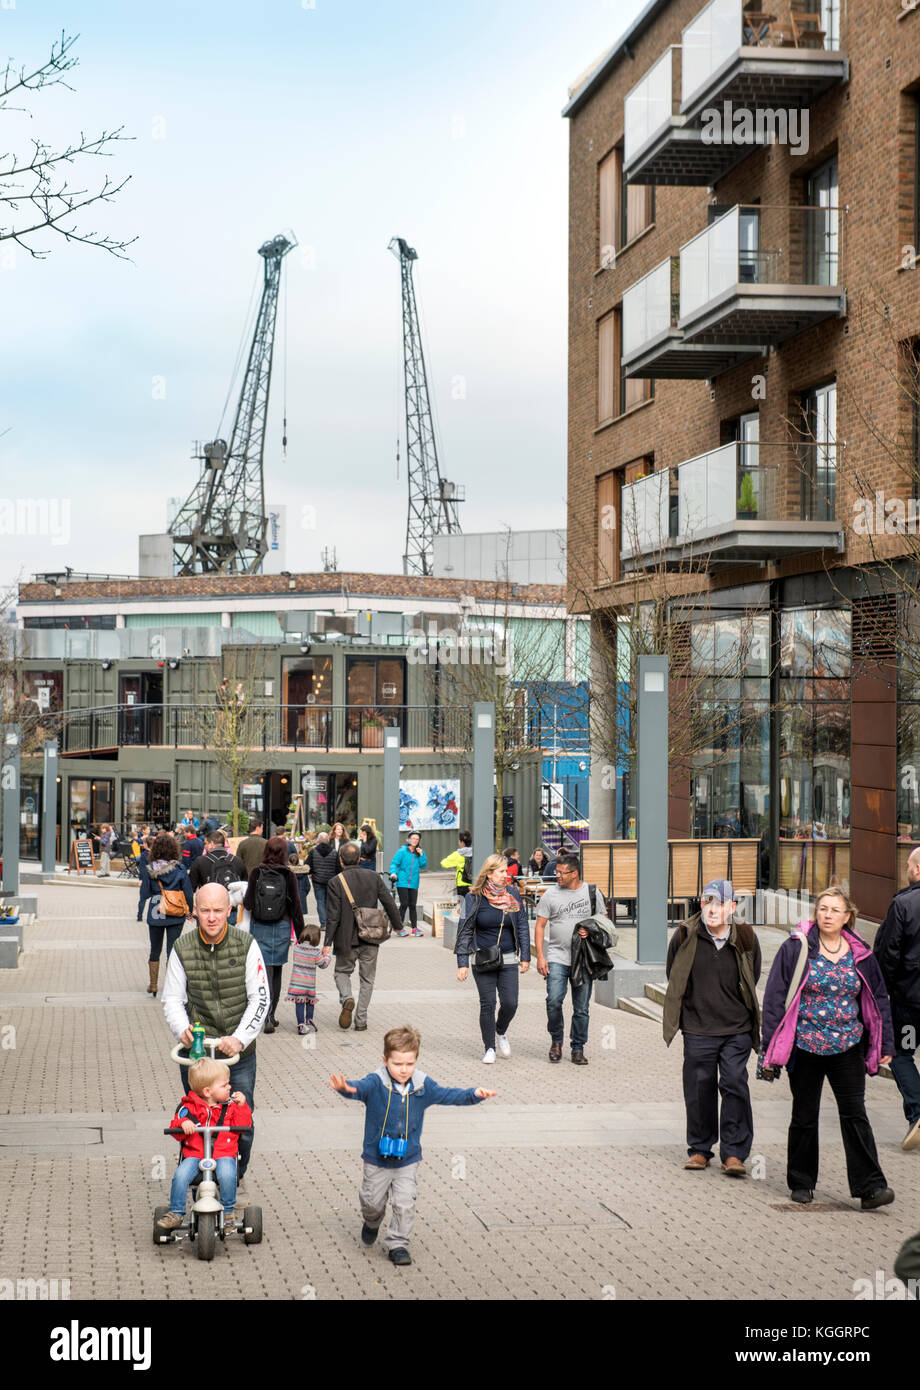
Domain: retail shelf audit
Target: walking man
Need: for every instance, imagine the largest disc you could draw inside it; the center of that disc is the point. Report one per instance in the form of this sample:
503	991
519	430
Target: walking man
216	976
897	950
713	967
367	889
323	863
570	901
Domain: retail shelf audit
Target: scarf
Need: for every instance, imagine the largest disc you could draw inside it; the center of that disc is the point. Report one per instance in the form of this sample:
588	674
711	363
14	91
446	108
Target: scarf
499	898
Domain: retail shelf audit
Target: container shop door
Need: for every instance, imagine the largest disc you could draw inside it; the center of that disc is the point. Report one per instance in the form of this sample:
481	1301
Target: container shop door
140	698
376	696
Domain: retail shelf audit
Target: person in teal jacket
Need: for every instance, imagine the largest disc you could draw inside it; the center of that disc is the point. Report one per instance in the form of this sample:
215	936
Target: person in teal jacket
406	866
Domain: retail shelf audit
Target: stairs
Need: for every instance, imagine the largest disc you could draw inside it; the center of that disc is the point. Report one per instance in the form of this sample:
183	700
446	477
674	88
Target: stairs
648	1005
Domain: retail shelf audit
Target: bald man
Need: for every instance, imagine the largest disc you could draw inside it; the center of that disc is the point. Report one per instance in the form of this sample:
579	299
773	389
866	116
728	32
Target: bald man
216	976
897	950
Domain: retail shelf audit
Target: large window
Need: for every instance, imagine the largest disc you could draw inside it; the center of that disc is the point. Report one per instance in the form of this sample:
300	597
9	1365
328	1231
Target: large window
608	367
624	209
730	726
819	464
375	685
45	689
814	725
306	691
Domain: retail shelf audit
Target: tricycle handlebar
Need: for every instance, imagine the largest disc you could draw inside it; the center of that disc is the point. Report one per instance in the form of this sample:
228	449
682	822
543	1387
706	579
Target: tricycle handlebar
214	1129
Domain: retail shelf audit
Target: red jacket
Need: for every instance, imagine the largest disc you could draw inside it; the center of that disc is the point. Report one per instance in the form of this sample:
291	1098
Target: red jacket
192	1107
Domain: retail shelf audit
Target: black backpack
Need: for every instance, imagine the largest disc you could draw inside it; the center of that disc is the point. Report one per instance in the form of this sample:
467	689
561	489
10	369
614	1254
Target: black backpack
269	900
221	869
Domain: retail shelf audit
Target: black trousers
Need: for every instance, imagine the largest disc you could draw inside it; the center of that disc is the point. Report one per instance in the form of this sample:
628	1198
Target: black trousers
846	1072
503	984
713	1066
408	898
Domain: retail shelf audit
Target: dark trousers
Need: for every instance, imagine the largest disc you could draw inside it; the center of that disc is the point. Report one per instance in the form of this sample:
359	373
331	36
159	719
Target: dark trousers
714	1067
408	898
156	939
503	984
903	1066
274	974
242	1078
303	890
846	1072
320	891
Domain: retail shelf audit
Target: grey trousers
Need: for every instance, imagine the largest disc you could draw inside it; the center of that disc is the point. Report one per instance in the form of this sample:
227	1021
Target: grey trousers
401	1185
365	957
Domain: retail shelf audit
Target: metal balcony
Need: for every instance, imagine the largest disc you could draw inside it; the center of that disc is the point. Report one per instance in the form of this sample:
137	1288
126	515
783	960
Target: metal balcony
653	343
738	75
741	503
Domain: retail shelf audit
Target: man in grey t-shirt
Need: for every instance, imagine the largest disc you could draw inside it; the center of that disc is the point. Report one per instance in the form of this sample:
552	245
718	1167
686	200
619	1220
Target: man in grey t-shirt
558	911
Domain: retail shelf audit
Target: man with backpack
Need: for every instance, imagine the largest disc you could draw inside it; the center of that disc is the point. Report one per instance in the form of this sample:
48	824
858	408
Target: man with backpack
217	865
350	890
713	966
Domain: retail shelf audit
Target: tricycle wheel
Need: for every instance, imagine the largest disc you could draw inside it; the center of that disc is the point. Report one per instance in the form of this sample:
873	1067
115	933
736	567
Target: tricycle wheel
158	1212
205	1237
252	1222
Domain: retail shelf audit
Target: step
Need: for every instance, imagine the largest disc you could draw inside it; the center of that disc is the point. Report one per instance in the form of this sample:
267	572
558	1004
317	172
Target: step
657	992
643	1007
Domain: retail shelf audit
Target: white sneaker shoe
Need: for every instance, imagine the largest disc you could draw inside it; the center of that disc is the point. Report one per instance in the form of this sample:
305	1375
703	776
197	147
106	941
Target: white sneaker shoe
489	1057
504	1046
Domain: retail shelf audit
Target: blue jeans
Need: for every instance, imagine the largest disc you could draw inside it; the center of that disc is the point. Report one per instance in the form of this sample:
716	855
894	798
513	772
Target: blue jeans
303	890
182	1178
242	1078
303	1008
556	989
903	1066
320	891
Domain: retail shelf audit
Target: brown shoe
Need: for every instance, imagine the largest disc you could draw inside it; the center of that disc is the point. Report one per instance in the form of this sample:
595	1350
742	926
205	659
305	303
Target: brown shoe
696	1162
734	1168
348	1009
153	967
579	1059
170	1222
555	1052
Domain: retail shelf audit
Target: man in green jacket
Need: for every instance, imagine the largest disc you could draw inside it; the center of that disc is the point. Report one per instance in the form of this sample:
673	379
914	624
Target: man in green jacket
218	979
462	861
713	967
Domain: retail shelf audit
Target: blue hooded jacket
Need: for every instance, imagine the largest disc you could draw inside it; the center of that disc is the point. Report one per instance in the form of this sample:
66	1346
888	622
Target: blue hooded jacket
386	1111
407	867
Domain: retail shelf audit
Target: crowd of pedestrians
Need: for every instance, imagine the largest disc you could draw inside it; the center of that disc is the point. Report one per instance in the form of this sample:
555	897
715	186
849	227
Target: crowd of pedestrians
833	1007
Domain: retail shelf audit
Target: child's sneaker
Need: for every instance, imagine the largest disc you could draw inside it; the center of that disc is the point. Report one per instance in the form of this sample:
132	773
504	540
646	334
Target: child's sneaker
404	932
170	1222
301	1029
311	1025
417	932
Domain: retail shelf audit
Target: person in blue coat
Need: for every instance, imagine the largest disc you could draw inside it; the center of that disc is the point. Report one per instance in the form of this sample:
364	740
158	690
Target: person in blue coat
407	864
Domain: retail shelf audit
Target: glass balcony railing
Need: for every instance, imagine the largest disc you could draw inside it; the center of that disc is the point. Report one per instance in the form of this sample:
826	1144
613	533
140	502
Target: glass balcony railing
644	519
650	104
724	26
743	481
759	246
650	307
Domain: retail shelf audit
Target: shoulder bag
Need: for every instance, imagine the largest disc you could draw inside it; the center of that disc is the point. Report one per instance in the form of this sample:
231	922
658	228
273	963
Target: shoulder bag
372	922
765	1073
488	958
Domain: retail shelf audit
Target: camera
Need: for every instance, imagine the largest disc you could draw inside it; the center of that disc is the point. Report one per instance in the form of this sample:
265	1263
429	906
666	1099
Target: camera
388	1147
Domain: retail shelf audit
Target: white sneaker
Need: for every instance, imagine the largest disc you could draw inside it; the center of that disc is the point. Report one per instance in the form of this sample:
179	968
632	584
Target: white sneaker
489	1057
504	1046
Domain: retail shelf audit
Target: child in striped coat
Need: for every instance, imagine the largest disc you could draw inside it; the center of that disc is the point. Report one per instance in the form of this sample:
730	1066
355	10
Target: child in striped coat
302	985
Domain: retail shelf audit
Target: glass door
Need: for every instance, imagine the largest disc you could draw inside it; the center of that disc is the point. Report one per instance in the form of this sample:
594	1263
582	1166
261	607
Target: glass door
821	473
823	228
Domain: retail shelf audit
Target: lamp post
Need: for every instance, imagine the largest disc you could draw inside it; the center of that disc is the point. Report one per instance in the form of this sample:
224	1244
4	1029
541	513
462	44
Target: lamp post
10	786
652	810
391	754
483	818
49	814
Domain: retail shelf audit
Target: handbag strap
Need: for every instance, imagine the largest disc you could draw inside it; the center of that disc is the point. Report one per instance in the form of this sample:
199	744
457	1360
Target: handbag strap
344	884
797	973
501	928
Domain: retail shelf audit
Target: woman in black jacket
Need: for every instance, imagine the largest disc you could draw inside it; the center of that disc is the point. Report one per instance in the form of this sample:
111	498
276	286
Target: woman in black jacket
493	914
367	858
273	937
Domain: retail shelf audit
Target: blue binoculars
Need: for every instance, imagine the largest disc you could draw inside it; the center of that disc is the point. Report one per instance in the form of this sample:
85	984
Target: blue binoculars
388	1147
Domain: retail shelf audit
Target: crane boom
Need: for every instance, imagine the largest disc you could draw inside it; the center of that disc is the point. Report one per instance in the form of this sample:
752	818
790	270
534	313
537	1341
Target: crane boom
220	528
432	499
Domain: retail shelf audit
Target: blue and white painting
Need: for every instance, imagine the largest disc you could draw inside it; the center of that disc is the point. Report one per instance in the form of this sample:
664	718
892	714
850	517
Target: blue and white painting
425	805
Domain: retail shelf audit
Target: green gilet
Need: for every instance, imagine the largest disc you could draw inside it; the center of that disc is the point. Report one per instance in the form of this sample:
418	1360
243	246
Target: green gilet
216	978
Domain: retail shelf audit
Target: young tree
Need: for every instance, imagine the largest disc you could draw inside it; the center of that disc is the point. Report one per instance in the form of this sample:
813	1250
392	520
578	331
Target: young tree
36	194
236	731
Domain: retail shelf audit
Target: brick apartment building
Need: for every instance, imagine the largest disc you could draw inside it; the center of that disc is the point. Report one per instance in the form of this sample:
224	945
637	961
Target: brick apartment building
744	321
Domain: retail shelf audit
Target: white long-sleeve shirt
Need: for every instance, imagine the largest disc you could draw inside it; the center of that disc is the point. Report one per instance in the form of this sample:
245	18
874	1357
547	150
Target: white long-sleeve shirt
175	997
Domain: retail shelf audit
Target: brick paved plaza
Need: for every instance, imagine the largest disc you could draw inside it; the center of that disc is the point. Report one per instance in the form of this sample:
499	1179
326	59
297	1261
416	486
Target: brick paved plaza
568	1185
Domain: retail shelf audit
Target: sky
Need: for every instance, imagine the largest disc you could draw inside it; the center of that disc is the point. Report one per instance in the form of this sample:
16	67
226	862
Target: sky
350	123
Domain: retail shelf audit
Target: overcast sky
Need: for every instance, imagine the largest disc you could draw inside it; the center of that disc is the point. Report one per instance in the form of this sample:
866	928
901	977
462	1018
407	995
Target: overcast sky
350	123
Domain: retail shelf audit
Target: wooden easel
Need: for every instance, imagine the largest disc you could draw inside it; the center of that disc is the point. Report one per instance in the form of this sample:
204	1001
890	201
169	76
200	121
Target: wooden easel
82	859
295	827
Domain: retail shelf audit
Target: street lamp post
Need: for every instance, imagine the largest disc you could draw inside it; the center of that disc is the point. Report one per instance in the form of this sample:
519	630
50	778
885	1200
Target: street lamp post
10	786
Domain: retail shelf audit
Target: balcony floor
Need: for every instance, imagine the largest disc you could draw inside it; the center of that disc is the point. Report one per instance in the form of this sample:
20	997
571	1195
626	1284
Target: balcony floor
769	313
760	79
679	157
747	542
674	357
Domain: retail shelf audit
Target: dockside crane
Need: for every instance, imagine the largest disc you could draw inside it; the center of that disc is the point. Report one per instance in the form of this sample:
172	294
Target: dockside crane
432	499
220	528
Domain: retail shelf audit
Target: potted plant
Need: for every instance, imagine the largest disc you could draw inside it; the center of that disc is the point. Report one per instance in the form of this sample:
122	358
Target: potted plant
747	502
372	729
